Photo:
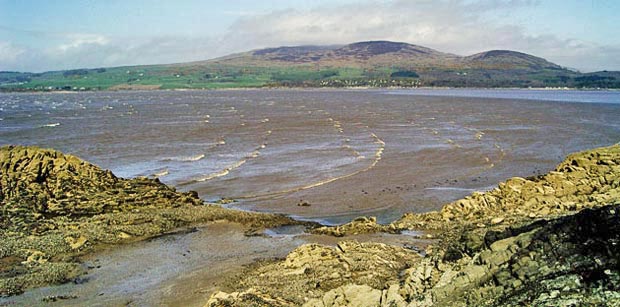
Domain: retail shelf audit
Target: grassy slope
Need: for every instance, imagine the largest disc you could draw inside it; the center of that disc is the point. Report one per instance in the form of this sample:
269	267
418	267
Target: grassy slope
258	72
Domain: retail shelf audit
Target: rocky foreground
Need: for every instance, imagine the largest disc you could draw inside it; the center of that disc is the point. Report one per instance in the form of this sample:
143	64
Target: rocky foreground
552	240
55	208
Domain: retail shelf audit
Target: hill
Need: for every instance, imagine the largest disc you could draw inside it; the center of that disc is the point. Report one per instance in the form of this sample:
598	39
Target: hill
372	64
373	54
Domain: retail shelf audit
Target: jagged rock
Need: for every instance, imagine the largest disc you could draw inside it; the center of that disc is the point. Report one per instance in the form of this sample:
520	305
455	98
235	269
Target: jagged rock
251	297
39	184
497	220
575	184
392	298
77	242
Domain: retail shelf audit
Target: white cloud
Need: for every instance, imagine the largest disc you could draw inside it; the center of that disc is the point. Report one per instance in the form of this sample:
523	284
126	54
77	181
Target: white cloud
450	26
80	40
454	26
9	53
91	50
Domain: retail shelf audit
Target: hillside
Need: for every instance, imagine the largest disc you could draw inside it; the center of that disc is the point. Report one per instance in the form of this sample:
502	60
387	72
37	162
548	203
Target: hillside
372	64
369	55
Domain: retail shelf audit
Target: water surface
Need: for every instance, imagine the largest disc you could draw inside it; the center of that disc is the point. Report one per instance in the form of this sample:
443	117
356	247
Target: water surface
344	152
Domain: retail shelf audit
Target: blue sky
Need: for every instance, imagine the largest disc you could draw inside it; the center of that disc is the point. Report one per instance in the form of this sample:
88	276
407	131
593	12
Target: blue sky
50	35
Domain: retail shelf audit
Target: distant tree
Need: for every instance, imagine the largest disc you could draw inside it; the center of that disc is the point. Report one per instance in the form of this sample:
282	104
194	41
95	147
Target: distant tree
75	73
404	74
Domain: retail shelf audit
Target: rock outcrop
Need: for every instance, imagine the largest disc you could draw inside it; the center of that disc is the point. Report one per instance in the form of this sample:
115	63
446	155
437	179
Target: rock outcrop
359	225
312	270
553	240
39	185
54	207
584	180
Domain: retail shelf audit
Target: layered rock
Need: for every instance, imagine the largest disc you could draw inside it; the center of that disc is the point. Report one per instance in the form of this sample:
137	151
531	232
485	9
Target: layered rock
39	185
552	240
312	270
359	225
584	180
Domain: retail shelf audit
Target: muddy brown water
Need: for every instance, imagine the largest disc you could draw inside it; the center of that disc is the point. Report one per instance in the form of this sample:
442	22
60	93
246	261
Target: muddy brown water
344	152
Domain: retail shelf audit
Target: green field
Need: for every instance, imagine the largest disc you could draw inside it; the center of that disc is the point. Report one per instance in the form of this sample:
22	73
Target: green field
216	76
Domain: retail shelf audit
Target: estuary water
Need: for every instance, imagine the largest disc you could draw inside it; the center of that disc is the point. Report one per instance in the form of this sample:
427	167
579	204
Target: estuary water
346	153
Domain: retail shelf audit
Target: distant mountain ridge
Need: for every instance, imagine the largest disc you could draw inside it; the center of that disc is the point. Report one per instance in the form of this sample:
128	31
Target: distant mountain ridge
374	53
360	64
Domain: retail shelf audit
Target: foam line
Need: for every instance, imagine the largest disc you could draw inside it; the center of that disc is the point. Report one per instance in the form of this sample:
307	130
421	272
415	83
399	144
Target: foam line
378	156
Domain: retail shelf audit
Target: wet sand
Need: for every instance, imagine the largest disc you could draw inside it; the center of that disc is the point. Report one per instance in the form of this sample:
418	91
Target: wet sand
181	269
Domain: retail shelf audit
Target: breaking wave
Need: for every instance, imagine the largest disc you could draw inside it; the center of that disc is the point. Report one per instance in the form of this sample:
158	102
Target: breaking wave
186	159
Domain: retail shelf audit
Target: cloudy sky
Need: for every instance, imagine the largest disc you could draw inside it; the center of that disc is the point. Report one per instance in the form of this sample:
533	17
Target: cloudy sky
50	35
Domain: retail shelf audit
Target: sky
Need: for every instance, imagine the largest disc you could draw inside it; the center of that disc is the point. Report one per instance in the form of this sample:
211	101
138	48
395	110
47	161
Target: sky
47	35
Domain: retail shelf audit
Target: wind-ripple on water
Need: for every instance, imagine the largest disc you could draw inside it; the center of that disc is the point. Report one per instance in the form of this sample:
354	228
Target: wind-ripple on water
318	141
52	125
185	159
225	171
378	154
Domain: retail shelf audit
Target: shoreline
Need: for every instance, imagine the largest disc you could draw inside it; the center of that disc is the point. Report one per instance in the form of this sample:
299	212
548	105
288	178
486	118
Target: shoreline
352	88
365	240
507	245
67	208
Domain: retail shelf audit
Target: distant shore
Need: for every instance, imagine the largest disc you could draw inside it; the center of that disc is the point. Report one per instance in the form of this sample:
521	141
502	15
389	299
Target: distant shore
2	91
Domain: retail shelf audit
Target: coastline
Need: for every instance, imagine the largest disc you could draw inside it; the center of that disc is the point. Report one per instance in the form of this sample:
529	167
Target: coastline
327	88
455	240
61	208
493	248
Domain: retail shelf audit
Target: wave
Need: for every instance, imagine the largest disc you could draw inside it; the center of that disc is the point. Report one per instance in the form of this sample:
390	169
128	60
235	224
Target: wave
160	174
51	125
221	173
252	155
377	158
186	159
195	158
225	171
231	167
